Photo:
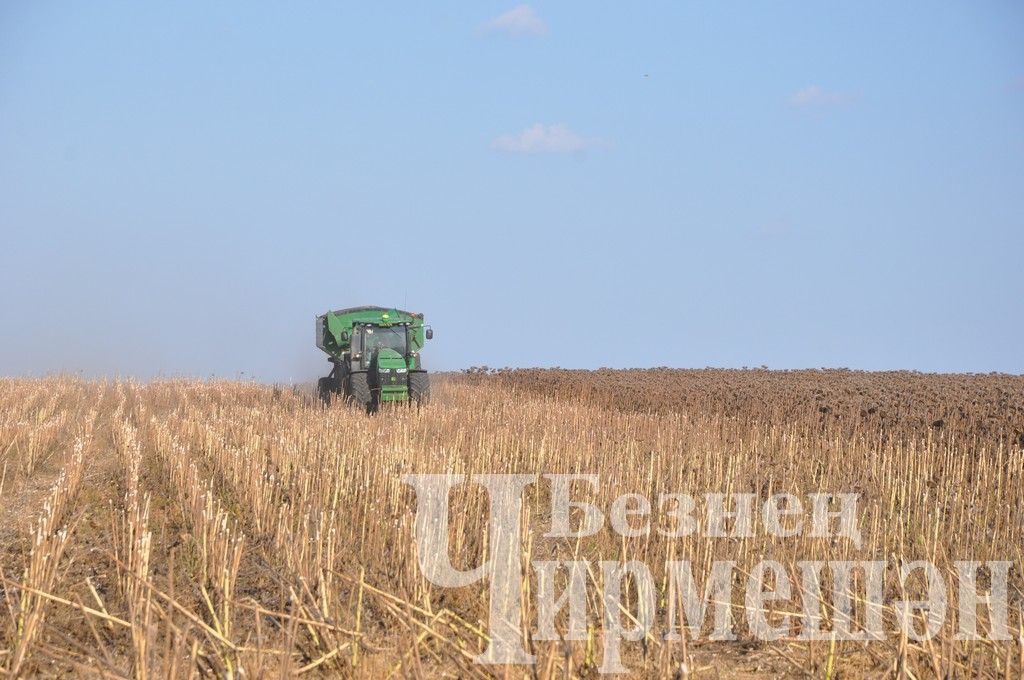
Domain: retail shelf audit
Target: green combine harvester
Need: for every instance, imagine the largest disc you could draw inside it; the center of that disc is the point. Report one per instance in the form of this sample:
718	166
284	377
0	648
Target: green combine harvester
375	352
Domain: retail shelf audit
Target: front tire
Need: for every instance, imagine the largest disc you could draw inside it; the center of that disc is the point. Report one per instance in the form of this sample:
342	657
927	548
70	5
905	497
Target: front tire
359	391
419	388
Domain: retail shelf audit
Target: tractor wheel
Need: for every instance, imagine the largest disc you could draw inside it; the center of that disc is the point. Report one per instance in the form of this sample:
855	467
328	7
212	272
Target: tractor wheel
359	391
325	389
419	388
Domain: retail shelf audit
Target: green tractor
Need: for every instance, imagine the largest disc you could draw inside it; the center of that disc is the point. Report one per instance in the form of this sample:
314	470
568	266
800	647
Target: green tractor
375	352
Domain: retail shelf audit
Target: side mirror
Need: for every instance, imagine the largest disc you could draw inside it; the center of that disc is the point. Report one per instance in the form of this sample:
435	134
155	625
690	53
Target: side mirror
430	333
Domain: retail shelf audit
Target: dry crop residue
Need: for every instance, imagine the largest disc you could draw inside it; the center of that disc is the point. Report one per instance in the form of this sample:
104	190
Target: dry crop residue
184	527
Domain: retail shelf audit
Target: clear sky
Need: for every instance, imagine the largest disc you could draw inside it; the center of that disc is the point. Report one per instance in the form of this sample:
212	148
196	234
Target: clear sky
183	186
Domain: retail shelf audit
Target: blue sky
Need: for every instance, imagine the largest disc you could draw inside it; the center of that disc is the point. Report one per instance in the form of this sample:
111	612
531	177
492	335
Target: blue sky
183	186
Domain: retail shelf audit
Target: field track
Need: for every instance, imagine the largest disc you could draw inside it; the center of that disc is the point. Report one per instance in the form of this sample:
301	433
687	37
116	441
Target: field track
184	528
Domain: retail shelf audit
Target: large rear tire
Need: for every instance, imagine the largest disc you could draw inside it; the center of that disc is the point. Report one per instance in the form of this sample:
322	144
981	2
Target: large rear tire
359	391
419	388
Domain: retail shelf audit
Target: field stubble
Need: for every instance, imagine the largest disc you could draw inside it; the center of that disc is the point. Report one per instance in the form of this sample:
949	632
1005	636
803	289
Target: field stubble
184	527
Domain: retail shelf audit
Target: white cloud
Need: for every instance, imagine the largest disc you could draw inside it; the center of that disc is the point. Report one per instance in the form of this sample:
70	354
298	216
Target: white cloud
813	96
540	138
520	20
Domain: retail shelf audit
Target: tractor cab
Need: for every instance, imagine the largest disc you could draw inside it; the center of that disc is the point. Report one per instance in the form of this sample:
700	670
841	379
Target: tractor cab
375	338
370	339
